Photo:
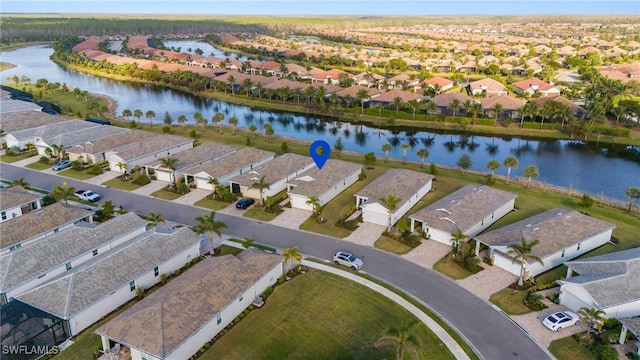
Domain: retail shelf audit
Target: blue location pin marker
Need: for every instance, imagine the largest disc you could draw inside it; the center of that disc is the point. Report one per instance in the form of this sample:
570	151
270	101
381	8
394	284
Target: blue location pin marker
320	159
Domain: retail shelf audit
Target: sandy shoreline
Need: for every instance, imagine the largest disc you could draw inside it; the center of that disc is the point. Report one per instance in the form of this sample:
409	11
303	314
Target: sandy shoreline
112	104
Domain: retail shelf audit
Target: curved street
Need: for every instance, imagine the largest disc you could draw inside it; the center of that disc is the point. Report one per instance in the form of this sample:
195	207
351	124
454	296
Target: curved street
492	334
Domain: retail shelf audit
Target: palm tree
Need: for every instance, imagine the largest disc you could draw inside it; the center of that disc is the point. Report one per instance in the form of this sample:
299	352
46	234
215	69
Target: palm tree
632	193
233	121
217	119
397	103
246	84
315	204
268	131
414	105
20	182
253	130
232	81
126	113
391	202
475	109
493	165
57	150
261	185
522	252
150	114
595	318
403	339
137	113
154	219
422	154
182	120
497	111
510	163
530	109
214	185
386	149
208	223
430	107
459	242
63	192
362	95
546	112
123	167
404	148
292	254
454	105
564	113
530	172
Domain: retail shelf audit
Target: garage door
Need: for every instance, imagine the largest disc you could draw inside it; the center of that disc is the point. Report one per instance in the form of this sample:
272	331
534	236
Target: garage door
571	301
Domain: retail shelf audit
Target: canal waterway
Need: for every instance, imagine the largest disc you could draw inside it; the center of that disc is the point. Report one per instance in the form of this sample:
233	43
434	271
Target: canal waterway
595	169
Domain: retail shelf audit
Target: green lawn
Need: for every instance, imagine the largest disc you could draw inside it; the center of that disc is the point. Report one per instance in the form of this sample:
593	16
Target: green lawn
38	166
228	250
74	174
339	206
13	158
388	244
259	214
510	301
212	204
452	269
166	194
116	183
569	349
290	326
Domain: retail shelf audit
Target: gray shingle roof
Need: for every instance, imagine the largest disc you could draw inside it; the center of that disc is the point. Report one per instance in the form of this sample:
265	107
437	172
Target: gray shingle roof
315	181
86	285
81	136
39	221
13	106
112	142
464	207
54	250
230	163
275	170
27	119
198	154
401	183
610	279
51	130
148	146
15	196
556	229
166	318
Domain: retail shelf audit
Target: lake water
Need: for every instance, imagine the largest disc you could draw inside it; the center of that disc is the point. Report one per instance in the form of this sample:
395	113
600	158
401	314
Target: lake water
598	170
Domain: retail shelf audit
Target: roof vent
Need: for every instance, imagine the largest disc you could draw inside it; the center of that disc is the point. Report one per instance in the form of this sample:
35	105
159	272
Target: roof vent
444	210
474	189
452	201
536	229
459	202
568	217
447	219
559	214
89	270
528	225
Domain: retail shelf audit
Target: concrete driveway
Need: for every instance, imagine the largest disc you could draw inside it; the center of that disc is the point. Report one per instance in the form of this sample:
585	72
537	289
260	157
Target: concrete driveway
488	281
366	234
192	197
106	176
427	253
291	218
151	187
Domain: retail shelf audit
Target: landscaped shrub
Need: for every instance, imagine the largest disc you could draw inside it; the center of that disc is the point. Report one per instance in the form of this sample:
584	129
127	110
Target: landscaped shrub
48	200
77	165
472	264
187	265
96	169
534	301
177	272
605	352
142	179
43	159
282	279
611	323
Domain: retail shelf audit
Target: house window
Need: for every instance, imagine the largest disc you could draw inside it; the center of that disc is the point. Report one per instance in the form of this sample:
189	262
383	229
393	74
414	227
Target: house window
492	214
241	298
219	318
4	215
482	223
34	206
132	285
144	356
156	271
68	266
15	247
578	246
95	252
562	253
56	230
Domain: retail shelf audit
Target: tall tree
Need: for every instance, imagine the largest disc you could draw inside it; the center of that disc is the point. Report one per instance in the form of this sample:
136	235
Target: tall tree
150	114
475	109
595	318
459	242
362	95
63	192
454	105
370	159
404	148
465	162
510	163
632	193
215	184
493	165
182	120
292	256
423	154
207	223
391	202
169	163
126	113
386	149
397	104
261	185
315	204
530	109
402	338
137	113
522	252
217	119
233	121
530	172
253	130
497	111
154	219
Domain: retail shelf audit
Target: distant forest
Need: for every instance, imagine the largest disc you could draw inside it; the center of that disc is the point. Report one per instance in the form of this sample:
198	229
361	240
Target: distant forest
48	27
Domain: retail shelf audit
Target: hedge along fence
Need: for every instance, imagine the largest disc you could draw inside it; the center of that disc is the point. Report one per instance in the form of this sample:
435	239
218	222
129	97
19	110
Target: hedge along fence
604	130
545	126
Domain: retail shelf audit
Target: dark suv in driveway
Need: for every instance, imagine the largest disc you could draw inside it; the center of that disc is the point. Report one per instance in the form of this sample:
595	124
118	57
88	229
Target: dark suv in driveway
245	203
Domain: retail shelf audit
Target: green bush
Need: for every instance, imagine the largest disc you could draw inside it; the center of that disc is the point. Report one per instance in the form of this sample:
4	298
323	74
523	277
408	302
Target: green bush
77	165
433	169
534	301
611	323
472	264
187	265
282	279
586	201
177	272
142	179
605	352
486	122
48	200
43	159
96	169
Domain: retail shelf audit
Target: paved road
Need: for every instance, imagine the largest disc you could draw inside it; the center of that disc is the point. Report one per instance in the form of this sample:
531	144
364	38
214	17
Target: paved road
493	334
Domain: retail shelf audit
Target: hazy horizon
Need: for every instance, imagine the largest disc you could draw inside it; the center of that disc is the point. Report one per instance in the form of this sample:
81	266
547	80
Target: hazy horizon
317	7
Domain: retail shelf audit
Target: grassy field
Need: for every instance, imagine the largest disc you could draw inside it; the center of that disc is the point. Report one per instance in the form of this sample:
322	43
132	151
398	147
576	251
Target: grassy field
290	326
78	175
116	183
452	269
38	166
388	244
569	349
212	204
510	301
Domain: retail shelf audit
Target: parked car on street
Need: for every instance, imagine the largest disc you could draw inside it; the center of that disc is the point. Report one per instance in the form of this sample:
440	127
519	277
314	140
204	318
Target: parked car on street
61	165
87	195
347	259
245	203
560	320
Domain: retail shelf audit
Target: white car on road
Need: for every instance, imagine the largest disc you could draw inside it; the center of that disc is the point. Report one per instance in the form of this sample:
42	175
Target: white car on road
87	195
560	320
348	260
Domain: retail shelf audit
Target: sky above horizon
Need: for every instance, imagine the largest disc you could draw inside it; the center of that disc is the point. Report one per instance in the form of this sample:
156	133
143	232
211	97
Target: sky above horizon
329	7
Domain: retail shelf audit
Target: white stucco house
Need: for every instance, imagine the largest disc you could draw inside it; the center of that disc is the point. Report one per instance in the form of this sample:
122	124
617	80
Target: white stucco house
228	166
40	223
470	209
32	265
609	282
325	184
146	150
276	174
84	294
563	235
17	201
188	159
406	185
175	321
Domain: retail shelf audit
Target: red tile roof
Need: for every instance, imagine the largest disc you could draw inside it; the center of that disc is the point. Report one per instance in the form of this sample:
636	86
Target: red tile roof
531	83
438	80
